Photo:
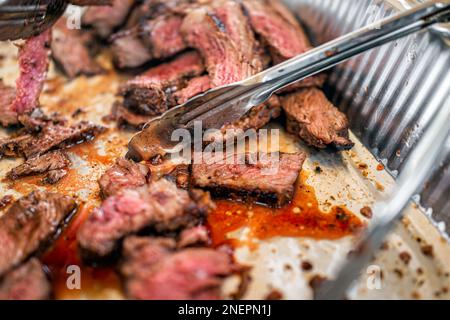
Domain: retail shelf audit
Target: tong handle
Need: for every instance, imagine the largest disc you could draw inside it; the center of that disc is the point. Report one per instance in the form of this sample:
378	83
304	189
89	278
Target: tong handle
350	45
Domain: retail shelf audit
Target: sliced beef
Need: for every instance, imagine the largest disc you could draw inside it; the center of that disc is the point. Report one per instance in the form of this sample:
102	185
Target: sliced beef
106	19
151	93
194	87
257	117
153	271
315	120
46	163
71	53
269	178
53	137
157	38
206	33
193	237
126	119
27	282
279	30
124	174
161	205
29	224
8	116
238	28
10	147
128	49
33	63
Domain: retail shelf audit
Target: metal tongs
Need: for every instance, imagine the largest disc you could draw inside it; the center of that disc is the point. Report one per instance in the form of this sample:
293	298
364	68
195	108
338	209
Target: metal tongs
21	19
227	104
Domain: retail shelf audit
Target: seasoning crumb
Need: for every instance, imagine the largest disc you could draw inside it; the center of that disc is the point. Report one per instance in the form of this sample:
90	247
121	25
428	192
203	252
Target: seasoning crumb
399	273
363	166
316	281
385	246
379	186
274	295
405	257
380	167
6	201
367	212
428	251
415	295
419	271
307	266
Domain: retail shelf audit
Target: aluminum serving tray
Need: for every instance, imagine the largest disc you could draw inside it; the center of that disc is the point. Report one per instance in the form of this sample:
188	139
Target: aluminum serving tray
388	95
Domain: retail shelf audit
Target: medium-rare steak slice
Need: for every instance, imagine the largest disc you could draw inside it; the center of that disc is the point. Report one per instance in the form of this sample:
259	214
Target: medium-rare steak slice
157	38
28	225
128	49
282	33
269	178
161	205
206	33
238	28
71	53
195	236
194	87
27	282
57	136
124	174
46	163
151	93
127	119
153	271
315	120
106	19
33	63
8	116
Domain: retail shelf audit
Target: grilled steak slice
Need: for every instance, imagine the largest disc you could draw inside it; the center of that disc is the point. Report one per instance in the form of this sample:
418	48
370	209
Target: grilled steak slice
8	116
206	33
193	237
177	173
57	136
151	93
71	53
163	36
157	38
27	282
10	147
257	117
161	205
127	119
106	19
153	271
28	225
33	63
238	28
315	120
128	49
51	161
268	179
281	33
124	174
194	87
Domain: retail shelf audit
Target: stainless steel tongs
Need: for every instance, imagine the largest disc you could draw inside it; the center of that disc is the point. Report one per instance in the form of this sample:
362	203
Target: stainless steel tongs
229	103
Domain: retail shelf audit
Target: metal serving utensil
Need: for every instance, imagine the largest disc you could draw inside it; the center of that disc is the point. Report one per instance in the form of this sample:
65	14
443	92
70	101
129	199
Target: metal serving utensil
20	19
227	104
